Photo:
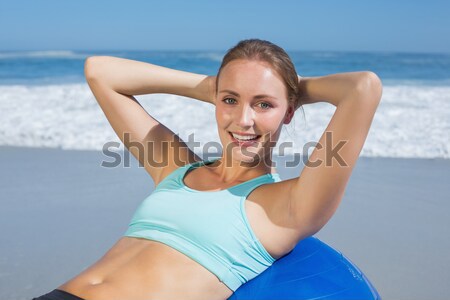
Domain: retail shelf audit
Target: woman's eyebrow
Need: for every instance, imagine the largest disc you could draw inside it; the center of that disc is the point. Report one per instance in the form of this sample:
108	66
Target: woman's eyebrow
256	97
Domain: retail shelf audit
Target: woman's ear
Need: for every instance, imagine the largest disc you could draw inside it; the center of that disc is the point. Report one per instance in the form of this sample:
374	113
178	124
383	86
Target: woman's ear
289	115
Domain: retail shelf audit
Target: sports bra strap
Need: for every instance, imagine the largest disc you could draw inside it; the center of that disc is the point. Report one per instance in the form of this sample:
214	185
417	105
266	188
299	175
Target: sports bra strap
247	187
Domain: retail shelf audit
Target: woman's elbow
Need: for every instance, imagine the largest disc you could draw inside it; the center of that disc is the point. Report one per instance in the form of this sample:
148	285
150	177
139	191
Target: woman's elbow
92	66
89	67
370	85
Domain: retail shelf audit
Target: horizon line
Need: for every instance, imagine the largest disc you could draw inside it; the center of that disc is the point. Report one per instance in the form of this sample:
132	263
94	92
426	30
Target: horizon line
224	51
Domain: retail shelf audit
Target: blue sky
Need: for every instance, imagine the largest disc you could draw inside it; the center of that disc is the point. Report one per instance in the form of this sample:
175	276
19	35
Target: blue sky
352	25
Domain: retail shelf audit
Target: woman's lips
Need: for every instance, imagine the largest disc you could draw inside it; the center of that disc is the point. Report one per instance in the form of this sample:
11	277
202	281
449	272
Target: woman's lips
244	143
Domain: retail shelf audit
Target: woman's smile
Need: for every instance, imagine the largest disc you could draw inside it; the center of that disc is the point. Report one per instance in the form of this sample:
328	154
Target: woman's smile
244	140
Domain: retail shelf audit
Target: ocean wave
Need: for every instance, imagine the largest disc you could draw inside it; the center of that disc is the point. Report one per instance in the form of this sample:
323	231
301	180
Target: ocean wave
214	56
43	54
411	121
325	54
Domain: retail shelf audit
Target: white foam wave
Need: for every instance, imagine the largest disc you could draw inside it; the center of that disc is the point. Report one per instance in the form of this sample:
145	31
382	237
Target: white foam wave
324	54
410	121
211	56
42	54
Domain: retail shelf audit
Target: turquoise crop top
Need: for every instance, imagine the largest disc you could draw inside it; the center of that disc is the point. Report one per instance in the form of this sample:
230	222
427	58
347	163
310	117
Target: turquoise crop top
209	227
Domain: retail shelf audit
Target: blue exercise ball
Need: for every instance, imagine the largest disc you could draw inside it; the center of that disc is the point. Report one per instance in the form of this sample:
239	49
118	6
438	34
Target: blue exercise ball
312	270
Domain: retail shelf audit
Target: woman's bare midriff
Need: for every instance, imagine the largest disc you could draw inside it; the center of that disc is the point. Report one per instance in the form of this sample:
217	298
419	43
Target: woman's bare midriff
140	269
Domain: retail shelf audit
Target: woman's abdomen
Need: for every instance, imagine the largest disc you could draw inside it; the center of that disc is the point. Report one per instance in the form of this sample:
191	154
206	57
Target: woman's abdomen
136	268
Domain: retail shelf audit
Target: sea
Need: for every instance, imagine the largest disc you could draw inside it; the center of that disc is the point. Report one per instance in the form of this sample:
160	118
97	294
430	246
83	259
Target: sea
45	102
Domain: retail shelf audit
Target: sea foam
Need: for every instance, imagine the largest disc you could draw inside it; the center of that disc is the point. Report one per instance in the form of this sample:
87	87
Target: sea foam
411	121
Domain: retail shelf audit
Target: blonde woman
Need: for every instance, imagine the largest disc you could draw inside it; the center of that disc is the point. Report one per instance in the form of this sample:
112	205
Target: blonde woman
210	226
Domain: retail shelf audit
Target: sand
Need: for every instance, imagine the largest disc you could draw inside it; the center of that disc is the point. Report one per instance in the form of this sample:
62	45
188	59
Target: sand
61	211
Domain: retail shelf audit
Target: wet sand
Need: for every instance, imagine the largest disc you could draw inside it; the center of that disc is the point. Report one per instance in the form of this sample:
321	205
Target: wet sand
61	211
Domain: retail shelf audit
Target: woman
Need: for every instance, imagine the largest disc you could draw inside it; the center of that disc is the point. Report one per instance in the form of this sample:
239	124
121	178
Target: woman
211	226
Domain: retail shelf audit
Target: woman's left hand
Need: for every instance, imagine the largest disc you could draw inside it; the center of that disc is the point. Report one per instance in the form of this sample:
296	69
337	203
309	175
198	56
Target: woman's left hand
302	90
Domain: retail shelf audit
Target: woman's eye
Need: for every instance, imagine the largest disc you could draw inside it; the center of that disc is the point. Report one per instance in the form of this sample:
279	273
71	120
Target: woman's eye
225	100
265	105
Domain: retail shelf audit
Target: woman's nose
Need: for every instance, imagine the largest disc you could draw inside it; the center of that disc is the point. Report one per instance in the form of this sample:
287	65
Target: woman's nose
245	117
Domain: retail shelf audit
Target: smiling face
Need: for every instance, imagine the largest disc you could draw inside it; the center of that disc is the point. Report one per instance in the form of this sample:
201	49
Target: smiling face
251	108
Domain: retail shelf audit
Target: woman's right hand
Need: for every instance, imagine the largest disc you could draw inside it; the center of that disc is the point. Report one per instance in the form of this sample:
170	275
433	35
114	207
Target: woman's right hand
212	89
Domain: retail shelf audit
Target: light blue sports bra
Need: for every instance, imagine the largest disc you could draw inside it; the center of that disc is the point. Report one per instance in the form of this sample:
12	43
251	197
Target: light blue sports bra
209	227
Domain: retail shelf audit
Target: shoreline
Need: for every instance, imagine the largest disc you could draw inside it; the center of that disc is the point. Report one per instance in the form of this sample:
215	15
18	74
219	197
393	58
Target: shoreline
61	211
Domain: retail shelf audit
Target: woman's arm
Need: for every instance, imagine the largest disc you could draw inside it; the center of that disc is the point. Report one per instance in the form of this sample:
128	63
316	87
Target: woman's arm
130	77
315	195
114	81
331	88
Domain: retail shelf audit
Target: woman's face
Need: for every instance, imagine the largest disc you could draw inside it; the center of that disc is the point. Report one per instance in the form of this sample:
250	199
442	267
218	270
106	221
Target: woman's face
251	107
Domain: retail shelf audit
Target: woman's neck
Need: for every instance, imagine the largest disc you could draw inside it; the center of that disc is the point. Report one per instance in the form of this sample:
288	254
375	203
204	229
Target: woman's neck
229	170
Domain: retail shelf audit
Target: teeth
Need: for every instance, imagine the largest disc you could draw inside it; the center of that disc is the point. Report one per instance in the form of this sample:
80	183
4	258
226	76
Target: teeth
242	137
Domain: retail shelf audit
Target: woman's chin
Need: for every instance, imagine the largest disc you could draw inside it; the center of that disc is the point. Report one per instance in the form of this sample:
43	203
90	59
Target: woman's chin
246	154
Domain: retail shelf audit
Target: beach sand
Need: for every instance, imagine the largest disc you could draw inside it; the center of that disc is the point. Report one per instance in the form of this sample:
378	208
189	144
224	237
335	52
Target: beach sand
61	211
